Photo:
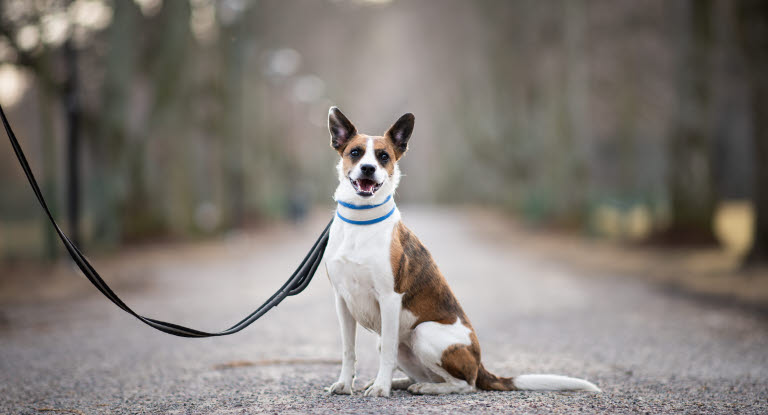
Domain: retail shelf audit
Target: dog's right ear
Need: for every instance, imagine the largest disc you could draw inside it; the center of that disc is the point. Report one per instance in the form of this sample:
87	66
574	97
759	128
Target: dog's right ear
341	129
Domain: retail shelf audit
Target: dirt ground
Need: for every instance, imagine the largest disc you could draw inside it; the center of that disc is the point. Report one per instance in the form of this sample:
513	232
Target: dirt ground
638	322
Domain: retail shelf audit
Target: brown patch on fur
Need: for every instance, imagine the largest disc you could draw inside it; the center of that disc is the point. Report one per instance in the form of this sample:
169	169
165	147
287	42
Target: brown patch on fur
426	294
462	362
359	141
489	382
381	145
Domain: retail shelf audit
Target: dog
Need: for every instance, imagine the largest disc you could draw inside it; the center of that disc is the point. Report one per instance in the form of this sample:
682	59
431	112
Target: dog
385	280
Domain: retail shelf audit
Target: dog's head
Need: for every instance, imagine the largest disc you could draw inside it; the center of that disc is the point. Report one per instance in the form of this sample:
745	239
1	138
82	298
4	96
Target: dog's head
368	165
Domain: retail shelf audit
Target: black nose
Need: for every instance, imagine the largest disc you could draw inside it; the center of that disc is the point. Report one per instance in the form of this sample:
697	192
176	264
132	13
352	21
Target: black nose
368	169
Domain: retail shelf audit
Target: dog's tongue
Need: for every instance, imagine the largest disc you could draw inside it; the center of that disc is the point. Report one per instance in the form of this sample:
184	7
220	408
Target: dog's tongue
365	185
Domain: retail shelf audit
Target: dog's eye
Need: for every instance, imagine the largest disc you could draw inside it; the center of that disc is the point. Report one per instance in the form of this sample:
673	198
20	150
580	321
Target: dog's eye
383	156
354	153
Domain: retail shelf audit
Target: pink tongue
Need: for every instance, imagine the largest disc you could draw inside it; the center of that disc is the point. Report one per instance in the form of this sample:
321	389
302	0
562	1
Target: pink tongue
365	185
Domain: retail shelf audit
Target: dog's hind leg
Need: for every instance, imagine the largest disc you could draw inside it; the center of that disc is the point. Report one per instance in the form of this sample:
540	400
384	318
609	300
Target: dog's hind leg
397	384
412	367
459	386
455	361
446	351
407	363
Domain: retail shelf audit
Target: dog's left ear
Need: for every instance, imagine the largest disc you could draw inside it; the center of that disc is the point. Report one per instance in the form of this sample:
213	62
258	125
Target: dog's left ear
400	133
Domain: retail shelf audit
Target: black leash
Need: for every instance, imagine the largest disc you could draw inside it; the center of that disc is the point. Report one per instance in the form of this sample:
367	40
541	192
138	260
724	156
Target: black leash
295	284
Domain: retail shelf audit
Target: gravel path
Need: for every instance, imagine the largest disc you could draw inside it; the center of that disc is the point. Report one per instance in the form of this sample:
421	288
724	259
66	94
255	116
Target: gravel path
650	352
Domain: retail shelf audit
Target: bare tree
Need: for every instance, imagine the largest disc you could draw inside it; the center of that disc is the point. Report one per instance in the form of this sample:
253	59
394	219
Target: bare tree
690	178
754	35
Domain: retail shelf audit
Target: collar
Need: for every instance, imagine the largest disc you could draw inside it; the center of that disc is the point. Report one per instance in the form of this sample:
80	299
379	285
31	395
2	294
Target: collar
365	214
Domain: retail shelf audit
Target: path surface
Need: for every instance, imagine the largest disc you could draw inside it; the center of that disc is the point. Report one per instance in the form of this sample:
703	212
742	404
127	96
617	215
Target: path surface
648	351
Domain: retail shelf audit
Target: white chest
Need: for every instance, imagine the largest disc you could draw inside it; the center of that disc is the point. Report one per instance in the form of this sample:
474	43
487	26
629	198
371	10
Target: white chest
359	267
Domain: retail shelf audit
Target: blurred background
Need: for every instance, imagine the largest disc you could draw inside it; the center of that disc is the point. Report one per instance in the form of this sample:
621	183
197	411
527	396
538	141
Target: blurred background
591	177
145	120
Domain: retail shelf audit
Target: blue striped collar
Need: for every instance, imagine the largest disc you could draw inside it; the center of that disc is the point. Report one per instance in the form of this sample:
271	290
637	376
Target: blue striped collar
363	207
366	214
366	222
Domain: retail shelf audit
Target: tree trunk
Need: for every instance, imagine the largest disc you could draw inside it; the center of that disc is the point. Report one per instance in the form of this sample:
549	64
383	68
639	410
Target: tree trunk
72	111
49	168
577	131
759	251
690	176
233	51
754	37
169	118
109	147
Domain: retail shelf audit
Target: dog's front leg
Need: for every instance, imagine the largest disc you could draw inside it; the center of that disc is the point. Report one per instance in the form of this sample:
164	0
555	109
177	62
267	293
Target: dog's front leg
348	330
390	307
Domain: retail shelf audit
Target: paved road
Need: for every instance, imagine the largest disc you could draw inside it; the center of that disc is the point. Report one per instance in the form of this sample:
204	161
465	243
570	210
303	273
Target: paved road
648	351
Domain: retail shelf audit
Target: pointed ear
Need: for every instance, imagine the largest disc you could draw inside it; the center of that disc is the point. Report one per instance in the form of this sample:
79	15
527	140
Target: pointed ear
400	133
341	129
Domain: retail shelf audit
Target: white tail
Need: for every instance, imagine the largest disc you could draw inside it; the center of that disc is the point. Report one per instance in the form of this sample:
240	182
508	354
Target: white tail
553	383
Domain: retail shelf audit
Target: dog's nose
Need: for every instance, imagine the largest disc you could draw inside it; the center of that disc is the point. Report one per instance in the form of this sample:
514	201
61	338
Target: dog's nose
368	169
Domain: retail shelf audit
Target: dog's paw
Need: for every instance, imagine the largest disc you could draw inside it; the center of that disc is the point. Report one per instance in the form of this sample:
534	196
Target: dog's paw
420	388
402	383
397	384
369	384
377	390
340	388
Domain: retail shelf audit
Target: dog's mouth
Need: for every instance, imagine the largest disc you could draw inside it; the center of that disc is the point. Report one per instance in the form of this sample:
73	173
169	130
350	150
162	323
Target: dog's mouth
365	187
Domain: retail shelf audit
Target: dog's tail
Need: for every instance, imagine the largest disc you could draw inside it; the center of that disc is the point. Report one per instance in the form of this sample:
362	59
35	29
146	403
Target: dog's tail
491	382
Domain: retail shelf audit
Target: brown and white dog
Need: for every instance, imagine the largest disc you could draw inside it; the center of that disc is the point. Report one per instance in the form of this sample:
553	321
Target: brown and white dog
385	280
